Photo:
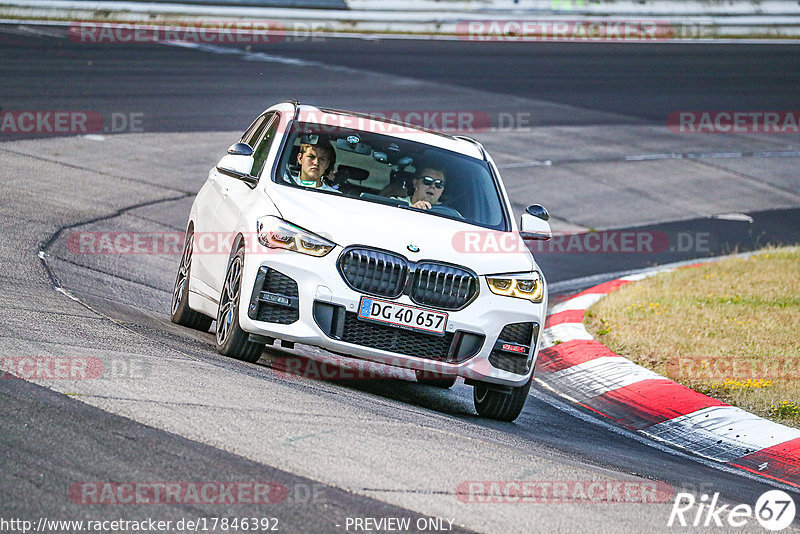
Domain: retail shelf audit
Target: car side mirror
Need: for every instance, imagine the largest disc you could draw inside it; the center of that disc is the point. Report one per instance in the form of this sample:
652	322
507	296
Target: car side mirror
537	210
238	166
240	149
533	224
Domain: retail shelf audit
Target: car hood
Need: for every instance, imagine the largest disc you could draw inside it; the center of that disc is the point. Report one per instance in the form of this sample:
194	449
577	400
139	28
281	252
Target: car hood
349	221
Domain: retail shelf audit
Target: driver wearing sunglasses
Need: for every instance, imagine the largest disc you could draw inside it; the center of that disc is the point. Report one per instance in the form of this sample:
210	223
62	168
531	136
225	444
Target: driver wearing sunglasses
428	187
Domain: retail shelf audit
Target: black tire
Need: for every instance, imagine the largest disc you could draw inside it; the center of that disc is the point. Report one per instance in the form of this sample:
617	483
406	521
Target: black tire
432	379
494	402
231	339
180	311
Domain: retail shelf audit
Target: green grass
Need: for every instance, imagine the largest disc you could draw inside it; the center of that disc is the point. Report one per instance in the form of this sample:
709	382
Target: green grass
730	329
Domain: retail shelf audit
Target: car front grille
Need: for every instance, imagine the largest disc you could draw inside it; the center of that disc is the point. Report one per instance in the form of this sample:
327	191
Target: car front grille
373	271
386	274
443	286
393	339
522	334
339	324
275	298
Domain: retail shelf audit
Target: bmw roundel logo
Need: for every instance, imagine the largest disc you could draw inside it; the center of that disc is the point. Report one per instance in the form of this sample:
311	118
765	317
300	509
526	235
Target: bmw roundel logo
413	248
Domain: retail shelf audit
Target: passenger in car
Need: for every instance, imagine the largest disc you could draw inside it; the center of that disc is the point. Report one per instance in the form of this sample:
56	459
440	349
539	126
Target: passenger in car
315	163
428	188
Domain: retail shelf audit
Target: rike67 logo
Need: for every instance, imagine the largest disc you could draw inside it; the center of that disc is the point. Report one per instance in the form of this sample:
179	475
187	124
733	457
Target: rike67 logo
774	510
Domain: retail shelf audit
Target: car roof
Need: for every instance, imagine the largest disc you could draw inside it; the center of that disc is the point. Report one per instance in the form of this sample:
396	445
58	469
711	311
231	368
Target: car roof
386	126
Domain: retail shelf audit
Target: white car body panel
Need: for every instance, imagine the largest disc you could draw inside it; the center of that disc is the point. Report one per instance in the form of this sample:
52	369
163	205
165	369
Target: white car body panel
226	205
333	218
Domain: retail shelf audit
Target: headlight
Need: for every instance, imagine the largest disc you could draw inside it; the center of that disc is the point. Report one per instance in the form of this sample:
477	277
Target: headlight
277	233
528	286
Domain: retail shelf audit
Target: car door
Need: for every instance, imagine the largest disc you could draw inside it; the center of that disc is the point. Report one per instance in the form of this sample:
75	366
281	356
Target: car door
235	196
209	228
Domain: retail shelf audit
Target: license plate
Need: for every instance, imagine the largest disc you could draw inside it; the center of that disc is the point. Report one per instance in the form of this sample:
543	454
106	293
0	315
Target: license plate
402	316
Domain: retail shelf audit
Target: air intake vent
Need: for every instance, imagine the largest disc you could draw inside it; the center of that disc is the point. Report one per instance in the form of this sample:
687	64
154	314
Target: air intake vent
275	299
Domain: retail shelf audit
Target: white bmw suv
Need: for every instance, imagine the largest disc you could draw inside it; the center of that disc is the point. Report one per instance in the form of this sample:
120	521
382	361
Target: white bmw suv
372	239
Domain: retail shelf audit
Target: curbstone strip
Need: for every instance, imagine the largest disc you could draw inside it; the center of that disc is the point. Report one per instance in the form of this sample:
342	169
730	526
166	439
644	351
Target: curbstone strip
575	365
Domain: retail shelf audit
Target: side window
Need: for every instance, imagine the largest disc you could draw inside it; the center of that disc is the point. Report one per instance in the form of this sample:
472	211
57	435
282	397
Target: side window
263	146
256	129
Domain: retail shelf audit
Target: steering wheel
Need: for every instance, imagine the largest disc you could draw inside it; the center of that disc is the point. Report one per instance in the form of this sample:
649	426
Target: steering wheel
445	210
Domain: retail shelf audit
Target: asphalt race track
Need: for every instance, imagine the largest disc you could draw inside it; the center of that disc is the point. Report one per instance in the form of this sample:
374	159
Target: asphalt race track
588	139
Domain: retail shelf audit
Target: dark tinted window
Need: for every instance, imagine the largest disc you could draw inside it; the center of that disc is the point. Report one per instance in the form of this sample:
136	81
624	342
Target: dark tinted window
263	145
381	168
255	130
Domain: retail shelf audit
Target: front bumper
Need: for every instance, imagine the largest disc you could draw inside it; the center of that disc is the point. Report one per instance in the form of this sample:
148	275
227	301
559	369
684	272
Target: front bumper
306	301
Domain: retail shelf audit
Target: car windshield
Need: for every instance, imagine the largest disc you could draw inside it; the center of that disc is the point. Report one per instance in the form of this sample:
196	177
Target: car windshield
396	172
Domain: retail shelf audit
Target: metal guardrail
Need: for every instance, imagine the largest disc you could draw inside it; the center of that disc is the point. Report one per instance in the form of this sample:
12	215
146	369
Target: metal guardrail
306	4
771	19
